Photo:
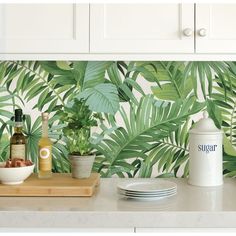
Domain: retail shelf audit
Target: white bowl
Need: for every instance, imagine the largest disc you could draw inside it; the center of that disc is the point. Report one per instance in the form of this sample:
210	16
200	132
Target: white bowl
14	175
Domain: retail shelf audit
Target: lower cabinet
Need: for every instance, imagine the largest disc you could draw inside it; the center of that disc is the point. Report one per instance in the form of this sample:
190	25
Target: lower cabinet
63	231
106	230
180	230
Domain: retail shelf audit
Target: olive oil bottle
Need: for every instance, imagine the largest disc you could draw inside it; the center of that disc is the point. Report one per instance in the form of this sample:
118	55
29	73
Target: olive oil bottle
18	140
45	151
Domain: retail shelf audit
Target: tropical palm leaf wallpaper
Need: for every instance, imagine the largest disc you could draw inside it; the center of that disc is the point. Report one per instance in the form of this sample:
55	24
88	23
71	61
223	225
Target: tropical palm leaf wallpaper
147	109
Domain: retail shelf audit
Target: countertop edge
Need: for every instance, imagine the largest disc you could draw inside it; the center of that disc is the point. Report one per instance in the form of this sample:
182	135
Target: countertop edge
103	219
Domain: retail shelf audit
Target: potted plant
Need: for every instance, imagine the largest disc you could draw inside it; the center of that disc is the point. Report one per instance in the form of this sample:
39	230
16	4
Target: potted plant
79	120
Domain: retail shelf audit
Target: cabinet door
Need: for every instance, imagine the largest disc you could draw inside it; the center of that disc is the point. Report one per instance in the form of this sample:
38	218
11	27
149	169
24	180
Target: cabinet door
216	28
142	28
178	231
44	28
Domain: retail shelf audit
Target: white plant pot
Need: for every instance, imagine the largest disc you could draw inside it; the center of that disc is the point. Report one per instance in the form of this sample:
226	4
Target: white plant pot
81	166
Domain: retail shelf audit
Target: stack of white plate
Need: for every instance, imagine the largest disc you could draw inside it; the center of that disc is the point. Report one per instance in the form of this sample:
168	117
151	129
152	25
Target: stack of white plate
147	189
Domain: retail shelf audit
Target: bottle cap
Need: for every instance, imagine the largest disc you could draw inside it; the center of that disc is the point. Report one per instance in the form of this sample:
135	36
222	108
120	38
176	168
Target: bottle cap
205	126
18	115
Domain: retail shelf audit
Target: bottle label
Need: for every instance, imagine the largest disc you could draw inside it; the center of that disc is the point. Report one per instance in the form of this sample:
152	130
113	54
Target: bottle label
45	158
18	151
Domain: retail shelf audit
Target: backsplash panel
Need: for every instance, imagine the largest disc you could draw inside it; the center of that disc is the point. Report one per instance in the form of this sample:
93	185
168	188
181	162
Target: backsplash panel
147	107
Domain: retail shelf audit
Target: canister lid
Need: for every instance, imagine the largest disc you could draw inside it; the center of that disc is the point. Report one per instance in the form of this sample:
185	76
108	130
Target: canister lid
205	126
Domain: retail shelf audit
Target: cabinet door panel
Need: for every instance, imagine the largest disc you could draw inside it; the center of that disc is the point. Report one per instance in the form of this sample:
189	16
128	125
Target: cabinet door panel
172	231
219	23
44	28
141	28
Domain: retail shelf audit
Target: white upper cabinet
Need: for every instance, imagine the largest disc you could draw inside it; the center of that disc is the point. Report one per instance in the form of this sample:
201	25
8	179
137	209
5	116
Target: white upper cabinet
136	31
142	28
44	28
216	28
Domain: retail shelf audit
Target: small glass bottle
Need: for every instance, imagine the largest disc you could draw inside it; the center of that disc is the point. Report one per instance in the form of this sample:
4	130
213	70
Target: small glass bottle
18	140
45	151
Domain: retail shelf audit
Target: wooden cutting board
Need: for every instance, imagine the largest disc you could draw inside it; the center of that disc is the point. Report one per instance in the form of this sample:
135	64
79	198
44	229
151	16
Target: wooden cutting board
59	185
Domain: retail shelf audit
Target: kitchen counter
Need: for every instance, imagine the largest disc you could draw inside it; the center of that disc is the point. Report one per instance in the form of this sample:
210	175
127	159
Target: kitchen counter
191	207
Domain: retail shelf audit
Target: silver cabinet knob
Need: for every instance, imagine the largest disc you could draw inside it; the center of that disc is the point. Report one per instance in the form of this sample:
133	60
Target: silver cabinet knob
187	32
202	32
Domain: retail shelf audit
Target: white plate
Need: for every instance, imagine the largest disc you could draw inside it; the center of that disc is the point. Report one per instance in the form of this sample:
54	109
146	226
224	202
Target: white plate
147	185
147	195
147	198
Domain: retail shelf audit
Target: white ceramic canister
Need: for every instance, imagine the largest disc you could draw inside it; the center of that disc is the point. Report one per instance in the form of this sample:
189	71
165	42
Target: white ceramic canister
205	153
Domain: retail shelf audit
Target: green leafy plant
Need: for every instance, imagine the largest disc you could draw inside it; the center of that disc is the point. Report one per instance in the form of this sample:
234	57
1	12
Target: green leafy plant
124	76
169	154
35	81
222	110
152	138
98	95
101	93
180	75
78	120
173	85
147	123
4	147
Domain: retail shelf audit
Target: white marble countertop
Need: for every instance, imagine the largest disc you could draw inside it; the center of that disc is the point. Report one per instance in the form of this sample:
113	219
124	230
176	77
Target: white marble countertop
191	207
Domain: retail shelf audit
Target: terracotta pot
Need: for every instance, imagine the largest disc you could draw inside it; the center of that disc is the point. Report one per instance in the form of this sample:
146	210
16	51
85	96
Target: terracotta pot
81	166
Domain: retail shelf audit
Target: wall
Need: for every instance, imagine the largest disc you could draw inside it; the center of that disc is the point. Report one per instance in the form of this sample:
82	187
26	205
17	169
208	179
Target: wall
148	108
